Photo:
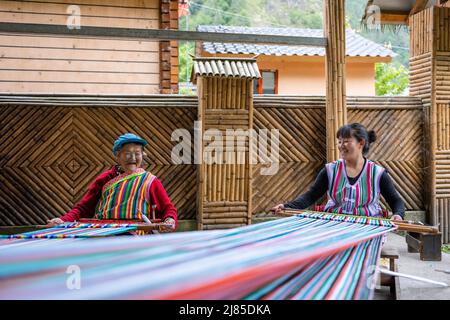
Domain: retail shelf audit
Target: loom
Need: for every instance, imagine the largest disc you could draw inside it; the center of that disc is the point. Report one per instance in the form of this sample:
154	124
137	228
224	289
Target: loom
306	256
89	228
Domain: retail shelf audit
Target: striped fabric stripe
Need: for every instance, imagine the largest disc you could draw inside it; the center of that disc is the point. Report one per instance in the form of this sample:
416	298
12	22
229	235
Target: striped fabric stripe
125	199
362	198
74	230
320	256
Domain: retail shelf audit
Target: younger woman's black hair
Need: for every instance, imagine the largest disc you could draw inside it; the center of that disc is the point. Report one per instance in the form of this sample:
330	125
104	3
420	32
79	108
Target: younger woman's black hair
359	132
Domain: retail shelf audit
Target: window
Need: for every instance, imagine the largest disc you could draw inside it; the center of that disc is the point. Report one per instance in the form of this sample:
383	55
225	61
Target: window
268	84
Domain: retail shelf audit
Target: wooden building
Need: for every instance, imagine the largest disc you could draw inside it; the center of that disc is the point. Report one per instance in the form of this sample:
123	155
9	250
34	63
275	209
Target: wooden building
38	63
300	70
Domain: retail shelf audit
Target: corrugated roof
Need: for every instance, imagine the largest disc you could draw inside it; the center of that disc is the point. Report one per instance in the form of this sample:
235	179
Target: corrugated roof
356	45
226	67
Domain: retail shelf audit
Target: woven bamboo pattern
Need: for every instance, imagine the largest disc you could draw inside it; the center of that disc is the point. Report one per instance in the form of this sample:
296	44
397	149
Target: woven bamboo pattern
50	155
292	179
443	76
420	76
443	126
443	174
421	35
397	122
398	129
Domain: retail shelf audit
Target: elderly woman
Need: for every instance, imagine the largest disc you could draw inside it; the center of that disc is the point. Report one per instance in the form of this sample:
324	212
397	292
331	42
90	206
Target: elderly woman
353	183
126	191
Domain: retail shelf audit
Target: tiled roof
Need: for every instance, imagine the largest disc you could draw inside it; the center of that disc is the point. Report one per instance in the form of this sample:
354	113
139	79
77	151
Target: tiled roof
356	45
226	67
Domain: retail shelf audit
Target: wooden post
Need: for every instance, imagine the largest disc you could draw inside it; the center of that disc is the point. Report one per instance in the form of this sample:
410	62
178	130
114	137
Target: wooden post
336	108
430	70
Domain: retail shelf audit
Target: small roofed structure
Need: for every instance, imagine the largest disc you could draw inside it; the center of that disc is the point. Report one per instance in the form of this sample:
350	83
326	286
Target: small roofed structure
225	67
299	69
389	12
225	104
356	45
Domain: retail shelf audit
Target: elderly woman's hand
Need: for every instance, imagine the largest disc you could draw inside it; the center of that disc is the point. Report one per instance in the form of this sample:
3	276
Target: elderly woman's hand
54	222
396	217
168	225
278	208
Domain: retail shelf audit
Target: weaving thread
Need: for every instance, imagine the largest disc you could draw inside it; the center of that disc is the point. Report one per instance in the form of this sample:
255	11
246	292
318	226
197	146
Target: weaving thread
309	256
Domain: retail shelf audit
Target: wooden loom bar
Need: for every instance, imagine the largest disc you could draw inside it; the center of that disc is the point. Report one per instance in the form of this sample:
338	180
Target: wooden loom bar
402	225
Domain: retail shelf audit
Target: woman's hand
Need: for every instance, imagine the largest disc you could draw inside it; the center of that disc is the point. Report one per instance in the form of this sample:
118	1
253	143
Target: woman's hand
168	226
396	217
54	222
277	209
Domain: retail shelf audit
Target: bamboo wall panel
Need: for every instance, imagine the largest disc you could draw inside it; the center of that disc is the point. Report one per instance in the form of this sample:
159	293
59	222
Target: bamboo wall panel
443	77
398	122
442	29
56	64
430	80
443	174
50	155
399	146
225	105
420	76
291	180
53	147
421	32
443	126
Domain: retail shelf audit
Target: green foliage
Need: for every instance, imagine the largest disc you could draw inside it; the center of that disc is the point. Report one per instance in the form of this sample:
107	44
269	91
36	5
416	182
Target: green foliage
446	248
390	79
186	50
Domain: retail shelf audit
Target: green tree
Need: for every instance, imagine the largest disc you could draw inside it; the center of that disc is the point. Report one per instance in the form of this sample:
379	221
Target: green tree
390	79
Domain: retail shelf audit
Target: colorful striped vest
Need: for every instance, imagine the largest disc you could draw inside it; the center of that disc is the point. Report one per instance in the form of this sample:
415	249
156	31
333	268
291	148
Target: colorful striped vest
361	198
125	197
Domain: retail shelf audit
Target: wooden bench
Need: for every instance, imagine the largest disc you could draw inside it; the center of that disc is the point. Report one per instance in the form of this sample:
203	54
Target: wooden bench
387	280
427	244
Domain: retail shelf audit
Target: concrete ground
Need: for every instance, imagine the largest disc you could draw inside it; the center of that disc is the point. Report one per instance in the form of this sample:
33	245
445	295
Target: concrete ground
410	263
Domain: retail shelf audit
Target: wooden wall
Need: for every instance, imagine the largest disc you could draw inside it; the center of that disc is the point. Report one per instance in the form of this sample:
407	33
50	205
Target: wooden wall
56	64
430	80
51	148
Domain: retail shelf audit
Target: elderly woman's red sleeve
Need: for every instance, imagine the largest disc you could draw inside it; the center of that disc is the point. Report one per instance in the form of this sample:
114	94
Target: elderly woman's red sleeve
86	207
164	207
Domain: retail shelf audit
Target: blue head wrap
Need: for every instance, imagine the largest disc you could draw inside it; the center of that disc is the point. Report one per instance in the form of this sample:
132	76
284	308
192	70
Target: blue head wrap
127	138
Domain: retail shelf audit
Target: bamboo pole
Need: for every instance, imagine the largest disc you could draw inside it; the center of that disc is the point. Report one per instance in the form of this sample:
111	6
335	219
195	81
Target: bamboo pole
336	114
219	93
228	106
209	93
237	103
244	93
202	101
248	164
226	203
233	94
